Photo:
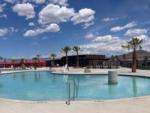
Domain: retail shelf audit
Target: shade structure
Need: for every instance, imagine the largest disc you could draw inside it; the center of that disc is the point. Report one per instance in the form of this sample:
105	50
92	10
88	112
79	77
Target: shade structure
27	63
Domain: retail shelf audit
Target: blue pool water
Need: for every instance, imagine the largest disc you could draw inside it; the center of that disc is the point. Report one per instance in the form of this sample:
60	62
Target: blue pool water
46	86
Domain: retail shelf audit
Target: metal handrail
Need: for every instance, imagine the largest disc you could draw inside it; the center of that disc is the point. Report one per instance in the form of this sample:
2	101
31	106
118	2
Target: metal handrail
74	93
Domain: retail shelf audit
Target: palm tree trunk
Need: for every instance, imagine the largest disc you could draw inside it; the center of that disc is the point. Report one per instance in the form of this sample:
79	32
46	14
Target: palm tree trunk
77	60
134	61
135	90
67	61
53	62
66	58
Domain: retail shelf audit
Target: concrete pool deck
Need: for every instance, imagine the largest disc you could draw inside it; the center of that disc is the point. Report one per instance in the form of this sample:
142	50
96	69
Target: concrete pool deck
121	71
130	105
136	105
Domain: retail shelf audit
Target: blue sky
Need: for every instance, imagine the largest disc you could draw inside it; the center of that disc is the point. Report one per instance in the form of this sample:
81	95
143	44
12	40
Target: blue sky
30	27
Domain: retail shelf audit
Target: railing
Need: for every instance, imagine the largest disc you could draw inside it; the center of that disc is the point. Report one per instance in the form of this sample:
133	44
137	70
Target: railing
72	89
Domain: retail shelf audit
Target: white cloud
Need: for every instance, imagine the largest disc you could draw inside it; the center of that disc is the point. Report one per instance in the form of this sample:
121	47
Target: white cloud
50	28
44	38
31	33
111	45
146	42
143	37
85	15
86	25
55	14
89	36
2	7
107	44
3	16
31	24
25	9
109	19
3	31
135	32
10	1
12	29
60	2
7	31
39	1
120	28
141	34
107	38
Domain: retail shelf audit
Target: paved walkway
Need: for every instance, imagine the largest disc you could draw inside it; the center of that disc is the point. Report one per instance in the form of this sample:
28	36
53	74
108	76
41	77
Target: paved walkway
140	105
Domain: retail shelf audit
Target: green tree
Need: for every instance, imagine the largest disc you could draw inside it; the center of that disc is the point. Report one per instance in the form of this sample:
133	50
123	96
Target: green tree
134	44
66	50
77	49
112	59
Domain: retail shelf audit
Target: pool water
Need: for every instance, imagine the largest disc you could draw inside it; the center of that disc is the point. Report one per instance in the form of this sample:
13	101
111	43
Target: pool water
37	86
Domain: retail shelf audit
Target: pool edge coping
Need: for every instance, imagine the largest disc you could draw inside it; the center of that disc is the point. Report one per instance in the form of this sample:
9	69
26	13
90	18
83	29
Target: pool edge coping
63	101
81	101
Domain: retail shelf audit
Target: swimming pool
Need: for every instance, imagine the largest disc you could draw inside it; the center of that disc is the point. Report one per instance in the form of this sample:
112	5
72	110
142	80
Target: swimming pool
39	86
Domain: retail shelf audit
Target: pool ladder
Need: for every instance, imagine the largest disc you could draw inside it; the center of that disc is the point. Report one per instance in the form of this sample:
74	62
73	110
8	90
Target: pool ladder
74	92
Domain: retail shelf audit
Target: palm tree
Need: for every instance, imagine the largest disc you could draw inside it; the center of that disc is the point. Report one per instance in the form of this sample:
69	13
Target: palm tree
66	50
77	49
5	62
53	59
117	63
1	58
124	56
38	59
134	44
112	60
38	56
22	63
13	63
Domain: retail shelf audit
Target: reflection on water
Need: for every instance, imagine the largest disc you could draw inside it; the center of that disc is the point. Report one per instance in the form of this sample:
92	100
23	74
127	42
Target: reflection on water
112	90
44	85
134	86
14	76
37	77
72	87
1	85
23	76
53	79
